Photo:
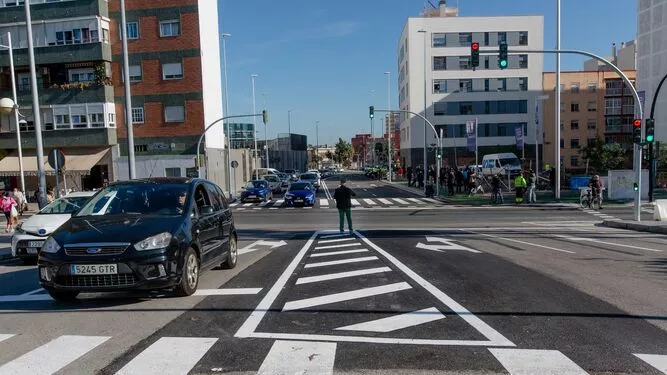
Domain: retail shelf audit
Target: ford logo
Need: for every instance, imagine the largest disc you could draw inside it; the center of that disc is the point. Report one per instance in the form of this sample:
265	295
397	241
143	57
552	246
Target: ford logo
93	250
41	232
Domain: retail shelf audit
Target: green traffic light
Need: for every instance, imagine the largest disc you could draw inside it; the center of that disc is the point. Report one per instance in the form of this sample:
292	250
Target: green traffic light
649	138
503	63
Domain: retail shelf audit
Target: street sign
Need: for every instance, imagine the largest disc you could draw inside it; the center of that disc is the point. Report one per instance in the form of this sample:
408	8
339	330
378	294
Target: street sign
235	164
56	159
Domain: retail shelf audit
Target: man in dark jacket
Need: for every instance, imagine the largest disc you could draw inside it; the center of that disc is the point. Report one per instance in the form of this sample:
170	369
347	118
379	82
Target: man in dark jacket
343	196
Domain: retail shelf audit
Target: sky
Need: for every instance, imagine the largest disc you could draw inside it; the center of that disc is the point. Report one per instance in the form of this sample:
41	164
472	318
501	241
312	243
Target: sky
326	61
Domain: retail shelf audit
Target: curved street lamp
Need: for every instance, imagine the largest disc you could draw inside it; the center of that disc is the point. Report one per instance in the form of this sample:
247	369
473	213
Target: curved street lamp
8	106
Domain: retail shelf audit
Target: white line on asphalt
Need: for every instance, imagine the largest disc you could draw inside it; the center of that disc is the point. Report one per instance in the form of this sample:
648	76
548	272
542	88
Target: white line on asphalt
256	208
370	202
52	356
262	204
332	253
341	275
415	200
337	246
336	240
33	292
535	361
273	208
324	202
279	202
234	204
355	202
169	355
400	201
581	239
494	336
250	324
4	337
396	322
342	261
384	201
376	340
431	200
521	242
658	361
365	189
345	296
240	209
22	298
248	204
227	291
298	357
336	235
375	195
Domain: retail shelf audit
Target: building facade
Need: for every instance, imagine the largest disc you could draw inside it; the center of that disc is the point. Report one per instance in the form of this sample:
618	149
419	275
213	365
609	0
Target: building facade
242	135
652	59
454	93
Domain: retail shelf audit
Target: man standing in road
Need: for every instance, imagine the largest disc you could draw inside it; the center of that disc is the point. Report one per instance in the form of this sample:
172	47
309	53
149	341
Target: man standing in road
343	196
532	186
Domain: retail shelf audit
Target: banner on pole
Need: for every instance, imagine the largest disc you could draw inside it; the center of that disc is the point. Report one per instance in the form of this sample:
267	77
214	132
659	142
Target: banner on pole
518	134
471	135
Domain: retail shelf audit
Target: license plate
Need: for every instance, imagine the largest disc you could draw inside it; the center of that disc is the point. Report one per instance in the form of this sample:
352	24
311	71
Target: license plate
93	269
36	244
298	200
33	251
252	196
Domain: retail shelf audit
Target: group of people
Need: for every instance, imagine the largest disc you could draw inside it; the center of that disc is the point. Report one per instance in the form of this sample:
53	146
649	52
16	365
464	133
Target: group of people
457	181
526	181
13	205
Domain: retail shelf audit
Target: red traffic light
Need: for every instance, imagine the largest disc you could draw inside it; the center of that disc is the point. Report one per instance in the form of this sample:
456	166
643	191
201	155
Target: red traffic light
637	123
474	46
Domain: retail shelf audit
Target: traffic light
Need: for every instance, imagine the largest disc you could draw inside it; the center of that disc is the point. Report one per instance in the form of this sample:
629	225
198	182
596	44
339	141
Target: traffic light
650	130
474	54
439	155
646	152
371	111
502	56
637	131
265	116
635	187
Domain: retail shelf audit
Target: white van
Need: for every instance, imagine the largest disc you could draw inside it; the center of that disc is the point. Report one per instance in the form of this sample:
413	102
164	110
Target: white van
259	172
503	164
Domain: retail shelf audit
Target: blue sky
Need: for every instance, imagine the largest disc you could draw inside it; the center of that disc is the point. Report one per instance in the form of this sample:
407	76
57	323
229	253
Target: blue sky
322	59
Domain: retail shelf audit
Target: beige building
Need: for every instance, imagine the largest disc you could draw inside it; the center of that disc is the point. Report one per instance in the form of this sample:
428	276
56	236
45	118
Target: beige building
594	104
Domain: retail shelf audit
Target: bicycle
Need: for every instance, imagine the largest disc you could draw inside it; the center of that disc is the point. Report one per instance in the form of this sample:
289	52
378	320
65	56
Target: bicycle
588	201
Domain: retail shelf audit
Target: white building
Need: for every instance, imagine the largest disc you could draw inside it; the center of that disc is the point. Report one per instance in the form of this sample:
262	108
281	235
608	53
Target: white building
652	59
625	58
501	100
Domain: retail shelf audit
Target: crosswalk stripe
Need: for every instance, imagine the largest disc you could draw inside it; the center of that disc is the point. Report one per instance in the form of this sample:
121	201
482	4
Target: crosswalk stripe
333	253
234	204
397	322
299	357
658	361
334	235
345	296
4	337
324	202
400	201
369	202
342	261
52	356
341	275
279	202
355	202
247	204
336	246
415	200
533	361
384	201
336	240
430	200
169	355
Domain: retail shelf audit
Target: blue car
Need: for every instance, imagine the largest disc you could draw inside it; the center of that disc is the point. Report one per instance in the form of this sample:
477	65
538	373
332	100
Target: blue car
301	193
258	190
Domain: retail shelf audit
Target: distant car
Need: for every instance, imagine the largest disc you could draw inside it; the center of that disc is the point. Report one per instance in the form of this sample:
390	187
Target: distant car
312	178
293	173
30	234
275	182
285	180
301	192
156	234
317	172
258	190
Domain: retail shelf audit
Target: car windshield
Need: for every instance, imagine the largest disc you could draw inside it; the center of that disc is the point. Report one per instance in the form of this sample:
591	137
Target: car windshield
255	184
309	176
139	198
512	162
270	178
65	205
299	186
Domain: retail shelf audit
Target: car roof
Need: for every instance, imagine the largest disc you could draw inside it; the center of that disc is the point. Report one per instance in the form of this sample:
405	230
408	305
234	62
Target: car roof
159	180
77	194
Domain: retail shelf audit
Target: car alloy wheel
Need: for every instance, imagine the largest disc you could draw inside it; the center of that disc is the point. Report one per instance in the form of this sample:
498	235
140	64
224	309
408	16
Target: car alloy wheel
192	271
232	257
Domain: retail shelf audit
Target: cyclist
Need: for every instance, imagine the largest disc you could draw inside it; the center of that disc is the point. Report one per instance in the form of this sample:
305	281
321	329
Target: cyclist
595	184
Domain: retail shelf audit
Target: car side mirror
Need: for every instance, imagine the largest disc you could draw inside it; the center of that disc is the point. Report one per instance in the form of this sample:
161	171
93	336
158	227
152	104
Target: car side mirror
206	210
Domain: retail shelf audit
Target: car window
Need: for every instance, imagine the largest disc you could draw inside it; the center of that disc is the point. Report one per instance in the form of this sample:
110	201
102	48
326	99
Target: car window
299	186
64	205
255	184
138	198
215	198
201	198
222	196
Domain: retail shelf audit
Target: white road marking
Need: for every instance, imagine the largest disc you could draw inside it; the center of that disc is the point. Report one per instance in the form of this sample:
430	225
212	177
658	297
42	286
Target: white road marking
234	204
332	253
400	201
24	298
227	291
397	322
257	208
299	357
385	201
336	246
532	361
612	244
370	202
169	355
33	292
248	204
415	200
240	209
264	203
273	208
279	202
658	361
335	235
345	296
375	195
341	275
376	340
52	356
342	261
430	200
521	242
324	202
336	240
4	337
355	202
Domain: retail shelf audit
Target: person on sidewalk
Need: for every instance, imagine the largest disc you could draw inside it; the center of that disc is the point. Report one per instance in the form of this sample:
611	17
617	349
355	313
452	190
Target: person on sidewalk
343	196
9	209
451	179
520	187
496	193
409	176
532	185
20	200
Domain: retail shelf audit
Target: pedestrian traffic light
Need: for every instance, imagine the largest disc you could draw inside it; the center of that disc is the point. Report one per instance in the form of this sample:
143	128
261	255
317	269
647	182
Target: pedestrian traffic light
265	116
371	111
439	155
635	187
637	131
645	152
650	130
474	54
502	56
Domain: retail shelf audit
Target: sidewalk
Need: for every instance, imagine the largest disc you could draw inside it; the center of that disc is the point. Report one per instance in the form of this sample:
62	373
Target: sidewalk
642	226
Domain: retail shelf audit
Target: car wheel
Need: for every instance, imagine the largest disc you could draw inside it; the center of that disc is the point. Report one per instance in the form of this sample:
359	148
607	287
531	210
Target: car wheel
233	255
190	278
63	295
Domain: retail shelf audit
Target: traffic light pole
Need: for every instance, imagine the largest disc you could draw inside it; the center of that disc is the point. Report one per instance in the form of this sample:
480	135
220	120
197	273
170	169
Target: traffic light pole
652	161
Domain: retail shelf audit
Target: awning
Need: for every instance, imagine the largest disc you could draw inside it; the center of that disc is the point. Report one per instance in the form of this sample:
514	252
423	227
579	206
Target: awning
77	162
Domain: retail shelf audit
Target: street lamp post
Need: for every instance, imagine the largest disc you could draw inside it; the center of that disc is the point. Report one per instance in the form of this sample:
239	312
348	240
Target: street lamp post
128	95
254	122
538	99
557	106
389	125
425	109
15	108
317	143
289	135
372	151
226	113
266	136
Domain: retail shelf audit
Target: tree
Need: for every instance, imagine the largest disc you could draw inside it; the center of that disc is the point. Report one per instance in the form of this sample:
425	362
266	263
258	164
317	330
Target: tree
604	156
343	153
329	155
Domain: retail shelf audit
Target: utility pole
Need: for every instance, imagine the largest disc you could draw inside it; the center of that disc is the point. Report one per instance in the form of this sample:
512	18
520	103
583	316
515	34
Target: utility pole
131	166
425	167
254	125
557	106
389	126
317	145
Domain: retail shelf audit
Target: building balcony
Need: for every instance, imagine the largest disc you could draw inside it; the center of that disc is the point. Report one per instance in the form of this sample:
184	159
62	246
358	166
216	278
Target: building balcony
85	137
618	129
41	10
73	93
57	54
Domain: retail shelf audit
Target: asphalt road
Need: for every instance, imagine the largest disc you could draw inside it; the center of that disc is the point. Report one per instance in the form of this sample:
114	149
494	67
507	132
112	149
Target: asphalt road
416	289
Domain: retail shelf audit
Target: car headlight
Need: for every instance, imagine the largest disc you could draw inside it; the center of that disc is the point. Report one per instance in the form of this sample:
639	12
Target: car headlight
50	246
159	241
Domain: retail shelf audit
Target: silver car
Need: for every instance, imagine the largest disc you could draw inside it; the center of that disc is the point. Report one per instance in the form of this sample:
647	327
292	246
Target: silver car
275	182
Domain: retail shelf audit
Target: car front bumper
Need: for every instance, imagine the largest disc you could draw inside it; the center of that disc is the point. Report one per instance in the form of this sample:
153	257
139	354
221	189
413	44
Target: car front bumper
20	242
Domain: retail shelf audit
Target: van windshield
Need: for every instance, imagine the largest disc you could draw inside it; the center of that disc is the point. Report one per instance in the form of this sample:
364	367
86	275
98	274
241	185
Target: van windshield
512	162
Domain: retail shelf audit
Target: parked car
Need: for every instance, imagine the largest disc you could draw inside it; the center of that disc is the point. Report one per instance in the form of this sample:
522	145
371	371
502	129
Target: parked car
258	190
300	193
285	180
152	234
29	235
293	173
275	182
312	178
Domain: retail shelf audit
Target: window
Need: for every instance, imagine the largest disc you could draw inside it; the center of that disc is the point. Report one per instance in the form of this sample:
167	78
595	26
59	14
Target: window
465	39
562	143
439	109
439	86
574	161
174	113
138	115
62	121
592	106
465	108
591	124
574	125
96	120
439	40
23	81
172	71
105	35
440	63
523	38
523	84
502	84
135	73
486	62
172	172
614	87
562	107
132	30
562	126
216	199
590	142
592	86
140	148
465	85
628	106
574	107
486	38
486	85
574	87
523	61
170	28
112	120
612	106
502	37
79	121
81	75
464	63
574	143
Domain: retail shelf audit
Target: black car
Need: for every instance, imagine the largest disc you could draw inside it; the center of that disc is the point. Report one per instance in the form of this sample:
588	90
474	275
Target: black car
147	234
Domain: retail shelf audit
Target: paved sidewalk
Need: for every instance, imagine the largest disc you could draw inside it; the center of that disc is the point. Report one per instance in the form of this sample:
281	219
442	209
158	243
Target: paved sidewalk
642	226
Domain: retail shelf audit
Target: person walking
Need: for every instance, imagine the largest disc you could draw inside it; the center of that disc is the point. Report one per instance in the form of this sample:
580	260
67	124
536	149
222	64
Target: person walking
9	209
343	196
451	179
520	187
409	176
532	185
19	197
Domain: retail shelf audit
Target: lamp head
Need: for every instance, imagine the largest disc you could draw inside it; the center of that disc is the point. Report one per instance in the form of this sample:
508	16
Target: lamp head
7	105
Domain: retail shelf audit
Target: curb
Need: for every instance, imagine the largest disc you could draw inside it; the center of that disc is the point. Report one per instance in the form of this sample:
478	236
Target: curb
638	227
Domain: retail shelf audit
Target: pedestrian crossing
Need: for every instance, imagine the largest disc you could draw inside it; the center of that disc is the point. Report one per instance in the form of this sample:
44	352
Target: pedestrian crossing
599	214
357	203
181	355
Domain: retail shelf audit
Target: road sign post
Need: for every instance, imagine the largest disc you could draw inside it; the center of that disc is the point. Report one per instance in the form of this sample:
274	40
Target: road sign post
56	160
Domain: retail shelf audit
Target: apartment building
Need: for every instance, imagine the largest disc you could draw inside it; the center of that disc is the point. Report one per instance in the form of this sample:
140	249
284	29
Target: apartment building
454	93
